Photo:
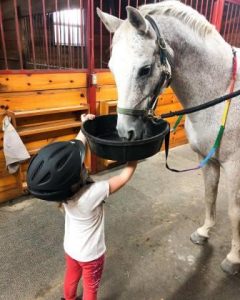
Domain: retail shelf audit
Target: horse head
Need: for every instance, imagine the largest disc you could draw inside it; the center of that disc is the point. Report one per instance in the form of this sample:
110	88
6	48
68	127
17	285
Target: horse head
139	67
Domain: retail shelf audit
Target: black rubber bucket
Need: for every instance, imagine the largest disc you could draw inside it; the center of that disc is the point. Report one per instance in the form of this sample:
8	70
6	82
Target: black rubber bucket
105	142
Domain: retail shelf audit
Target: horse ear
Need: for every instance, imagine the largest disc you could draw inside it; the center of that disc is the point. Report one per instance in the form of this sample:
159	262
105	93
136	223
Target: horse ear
136	19
111	23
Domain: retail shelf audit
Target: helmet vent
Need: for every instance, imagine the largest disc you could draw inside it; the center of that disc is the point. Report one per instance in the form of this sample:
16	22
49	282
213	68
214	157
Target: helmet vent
38	168
63	161
57	151
45	178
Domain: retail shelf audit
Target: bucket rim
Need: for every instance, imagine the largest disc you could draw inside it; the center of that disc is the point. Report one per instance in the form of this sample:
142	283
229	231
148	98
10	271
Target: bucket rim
124	142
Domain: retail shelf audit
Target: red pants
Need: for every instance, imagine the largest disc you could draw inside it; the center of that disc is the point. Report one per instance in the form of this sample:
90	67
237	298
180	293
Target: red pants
90	271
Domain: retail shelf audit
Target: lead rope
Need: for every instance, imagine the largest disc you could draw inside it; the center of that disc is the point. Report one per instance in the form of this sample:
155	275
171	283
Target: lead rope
220	132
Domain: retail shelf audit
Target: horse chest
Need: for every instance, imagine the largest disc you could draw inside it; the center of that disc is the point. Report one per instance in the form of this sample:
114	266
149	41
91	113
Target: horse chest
200	135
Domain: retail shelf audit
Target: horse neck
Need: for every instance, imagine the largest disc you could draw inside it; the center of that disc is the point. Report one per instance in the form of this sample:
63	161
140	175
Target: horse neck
202	68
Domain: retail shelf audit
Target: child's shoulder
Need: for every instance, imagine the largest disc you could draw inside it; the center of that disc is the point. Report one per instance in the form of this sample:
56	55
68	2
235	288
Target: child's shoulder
91	189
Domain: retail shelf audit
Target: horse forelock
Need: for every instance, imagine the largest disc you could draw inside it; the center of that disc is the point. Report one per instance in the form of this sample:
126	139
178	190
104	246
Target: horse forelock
186	14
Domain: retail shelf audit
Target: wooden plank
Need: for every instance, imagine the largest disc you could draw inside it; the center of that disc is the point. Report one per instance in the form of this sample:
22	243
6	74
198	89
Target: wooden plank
10	186
10	193
167	108
47	128
39	82
107	92
43	99
105	78
34	146
47	111
3	168
167	98
107	107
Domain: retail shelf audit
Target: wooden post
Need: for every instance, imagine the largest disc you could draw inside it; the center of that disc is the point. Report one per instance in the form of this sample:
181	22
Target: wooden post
91	65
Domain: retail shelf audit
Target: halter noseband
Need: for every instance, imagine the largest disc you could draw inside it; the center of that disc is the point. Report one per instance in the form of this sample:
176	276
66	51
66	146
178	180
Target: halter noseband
163	82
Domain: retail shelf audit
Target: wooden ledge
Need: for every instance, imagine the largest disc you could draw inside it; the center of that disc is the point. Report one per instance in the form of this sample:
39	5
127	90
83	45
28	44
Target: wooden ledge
47	111
48	128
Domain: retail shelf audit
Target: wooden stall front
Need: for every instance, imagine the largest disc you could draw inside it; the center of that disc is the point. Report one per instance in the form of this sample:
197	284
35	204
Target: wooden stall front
45	108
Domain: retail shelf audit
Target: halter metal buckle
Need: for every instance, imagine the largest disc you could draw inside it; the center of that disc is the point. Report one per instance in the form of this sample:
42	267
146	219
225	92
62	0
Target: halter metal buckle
150	113
161	43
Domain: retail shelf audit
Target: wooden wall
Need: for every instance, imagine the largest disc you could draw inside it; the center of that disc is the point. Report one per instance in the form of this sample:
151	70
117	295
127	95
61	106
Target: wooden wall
47	108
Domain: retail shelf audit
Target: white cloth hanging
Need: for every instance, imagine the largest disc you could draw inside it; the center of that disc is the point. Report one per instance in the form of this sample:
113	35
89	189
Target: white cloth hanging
14	150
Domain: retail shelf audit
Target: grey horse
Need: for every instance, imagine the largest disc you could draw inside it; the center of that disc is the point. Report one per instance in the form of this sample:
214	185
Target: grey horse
201	70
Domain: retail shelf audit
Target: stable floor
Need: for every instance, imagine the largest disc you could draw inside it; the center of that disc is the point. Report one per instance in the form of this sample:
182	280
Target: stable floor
148	224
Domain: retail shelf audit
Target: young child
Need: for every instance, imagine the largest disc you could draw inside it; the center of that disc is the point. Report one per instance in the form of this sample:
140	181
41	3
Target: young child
57	173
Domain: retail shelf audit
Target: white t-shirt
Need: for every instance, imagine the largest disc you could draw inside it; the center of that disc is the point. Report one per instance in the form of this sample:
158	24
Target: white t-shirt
84	238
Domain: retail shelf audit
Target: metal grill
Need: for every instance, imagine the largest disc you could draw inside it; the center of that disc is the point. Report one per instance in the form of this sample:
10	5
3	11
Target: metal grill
230	28
117	8
67	34
46	34
204	7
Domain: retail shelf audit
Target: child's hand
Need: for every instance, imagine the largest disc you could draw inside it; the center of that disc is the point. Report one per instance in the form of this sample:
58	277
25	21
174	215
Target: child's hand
85	117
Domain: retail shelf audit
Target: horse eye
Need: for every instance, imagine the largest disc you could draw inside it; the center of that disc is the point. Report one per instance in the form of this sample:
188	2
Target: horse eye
145	71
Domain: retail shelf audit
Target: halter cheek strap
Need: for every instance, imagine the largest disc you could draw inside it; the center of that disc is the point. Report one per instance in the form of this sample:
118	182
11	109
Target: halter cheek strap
163	82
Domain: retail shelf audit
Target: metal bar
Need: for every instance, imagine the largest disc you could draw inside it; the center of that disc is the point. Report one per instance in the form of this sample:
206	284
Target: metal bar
27	51
237	2
92	35
196	5
206	10
201	9
57	32
78	38
211	10
3	38
41	39
45	31
226	25
19	46
49	40
32	32
110	35
60	41
69	35
101	39
233	15
230	19
119	8
73	40
82	24
237	25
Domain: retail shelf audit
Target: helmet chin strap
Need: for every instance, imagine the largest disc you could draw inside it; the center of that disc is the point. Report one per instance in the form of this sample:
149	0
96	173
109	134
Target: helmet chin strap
164	81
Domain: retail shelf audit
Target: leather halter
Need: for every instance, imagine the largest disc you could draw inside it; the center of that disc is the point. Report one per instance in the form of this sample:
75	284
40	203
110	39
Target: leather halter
163	82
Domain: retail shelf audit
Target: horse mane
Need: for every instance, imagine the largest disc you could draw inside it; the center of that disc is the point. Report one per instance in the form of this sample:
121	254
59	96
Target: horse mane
186	14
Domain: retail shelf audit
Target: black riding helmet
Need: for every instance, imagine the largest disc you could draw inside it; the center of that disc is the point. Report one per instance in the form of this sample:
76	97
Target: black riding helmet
55	169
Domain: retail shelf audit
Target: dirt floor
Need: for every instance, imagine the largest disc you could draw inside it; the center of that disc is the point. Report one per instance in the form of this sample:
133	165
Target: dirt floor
148	224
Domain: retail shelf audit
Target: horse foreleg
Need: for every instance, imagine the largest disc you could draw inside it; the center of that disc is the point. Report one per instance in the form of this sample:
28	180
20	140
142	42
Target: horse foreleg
231	264
211	174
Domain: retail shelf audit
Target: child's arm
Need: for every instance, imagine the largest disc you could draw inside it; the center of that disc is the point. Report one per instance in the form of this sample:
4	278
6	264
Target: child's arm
81	136
118	181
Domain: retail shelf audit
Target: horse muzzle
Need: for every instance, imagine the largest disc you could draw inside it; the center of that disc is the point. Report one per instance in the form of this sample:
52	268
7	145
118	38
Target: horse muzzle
131	127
